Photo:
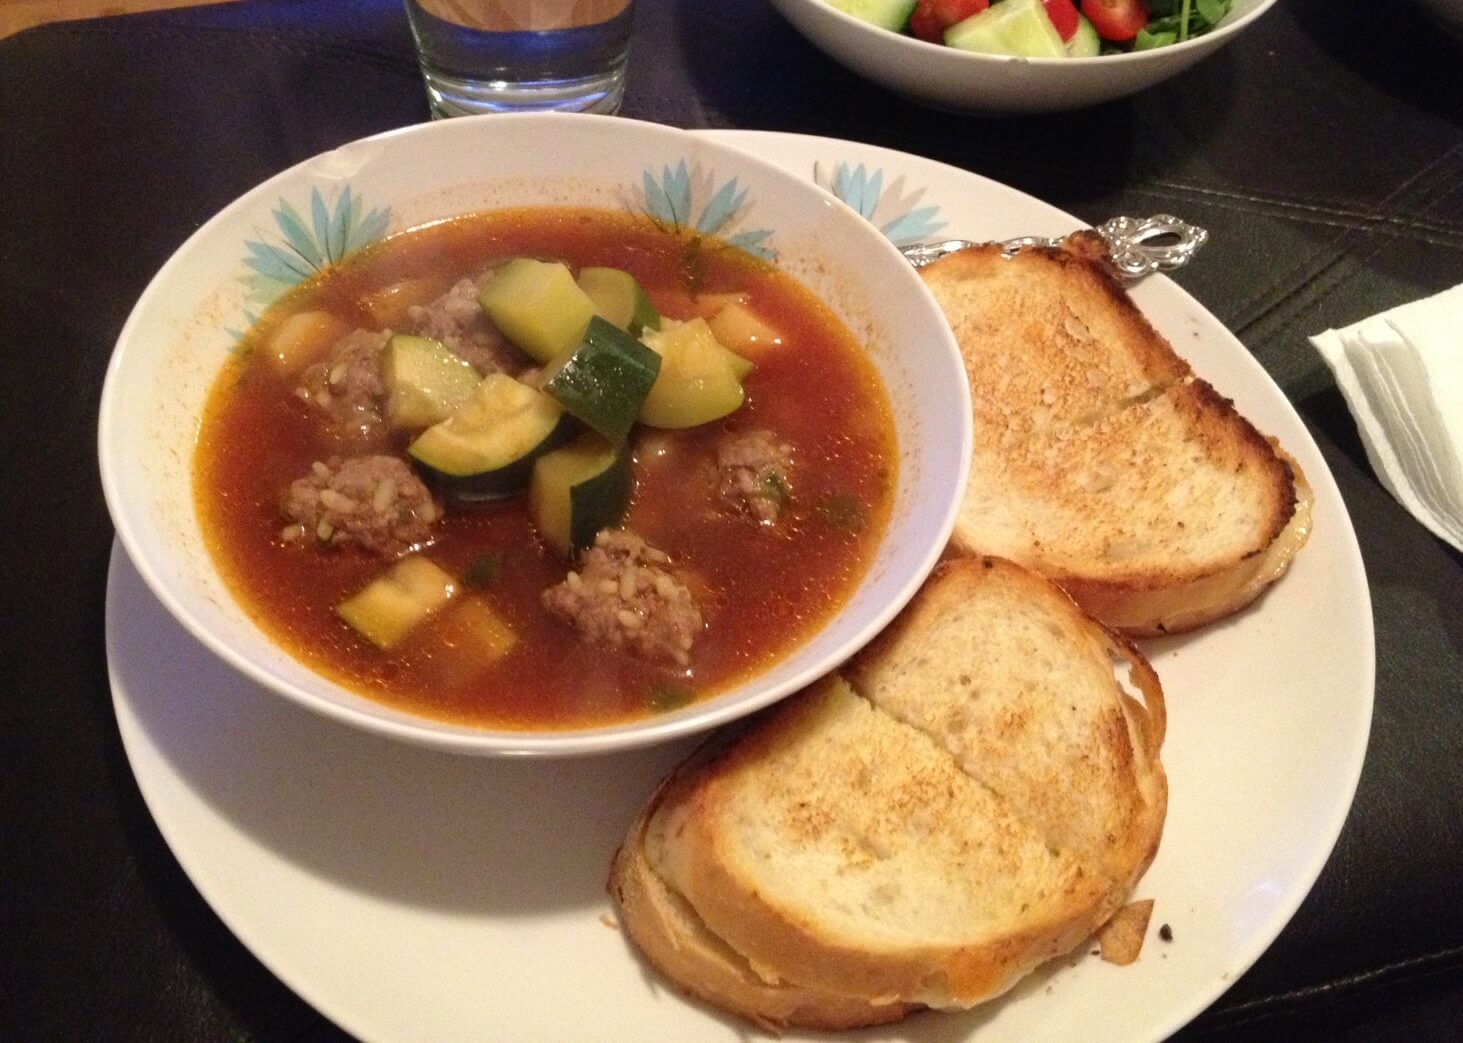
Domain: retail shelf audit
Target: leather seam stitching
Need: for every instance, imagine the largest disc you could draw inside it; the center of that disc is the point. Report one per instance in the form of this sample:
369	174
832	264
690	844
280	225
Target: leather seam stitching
1412	969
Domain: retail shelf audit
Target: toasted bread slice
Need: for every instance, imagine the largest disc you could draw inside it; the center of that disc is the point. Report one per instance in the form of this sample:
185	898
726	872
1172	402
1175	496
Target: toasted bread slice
841	850
841	855
1134	512
1050	338
675	940
1019	685
1100	460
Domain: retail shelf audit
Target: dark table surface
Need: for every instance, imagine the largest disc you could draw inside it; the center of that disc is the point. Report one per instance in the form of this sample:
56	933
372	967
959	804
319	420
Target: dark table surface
1323	149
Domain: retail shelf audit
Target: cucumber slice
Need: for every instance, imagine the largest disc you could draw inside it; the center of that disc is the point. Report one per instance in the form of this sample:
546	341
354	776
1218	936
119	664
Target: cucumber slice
886	14
425	382
604	380
698	379
578	490
1085	43
538	306
619	299
393	604
485	450
1014	27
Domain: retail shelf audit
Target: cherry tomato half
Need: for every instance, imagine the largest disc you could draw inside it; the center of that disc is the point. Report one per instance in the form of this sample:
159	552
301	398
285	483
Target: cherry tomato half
1063	14
1116	20
932	17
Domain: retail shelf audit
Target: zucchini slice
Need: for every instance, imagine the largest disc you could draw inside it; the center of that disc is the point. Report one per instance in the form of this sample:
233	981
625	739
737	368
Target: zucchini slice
619	299
699	380
538	306
425	381
393	604
605	379
486	448
578	490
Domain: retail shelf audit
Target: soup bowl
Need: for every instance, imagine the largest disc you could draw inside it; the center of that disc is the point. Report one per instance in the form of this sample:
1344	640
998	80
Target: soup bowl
192	316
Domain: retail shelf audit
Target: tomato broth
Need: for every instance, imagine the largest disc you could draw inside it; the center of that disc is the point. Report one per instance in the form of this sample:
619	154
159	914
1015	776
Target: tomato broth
763	589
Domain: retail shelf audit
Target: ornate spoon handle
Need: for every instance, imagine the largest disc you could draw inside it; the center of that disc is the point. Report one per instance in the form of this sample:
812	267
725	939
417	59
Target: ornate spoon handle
1139	246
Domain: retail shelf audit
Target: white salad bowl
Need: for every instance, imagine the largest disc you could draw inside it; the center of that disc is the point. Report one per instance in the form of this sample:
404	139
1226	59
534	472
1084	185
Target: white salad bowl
181	331
954	79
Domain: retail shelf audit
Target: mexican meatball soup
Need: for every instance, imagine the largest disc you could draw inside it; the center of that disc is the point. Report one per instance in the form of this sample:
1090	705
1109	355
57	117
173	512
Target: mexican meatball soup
545	468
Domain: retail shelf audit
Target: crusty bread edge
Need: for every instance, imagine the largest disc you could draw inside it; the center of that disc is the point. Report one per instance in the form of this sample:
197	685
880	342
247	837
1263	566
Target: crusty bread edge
700	964
1150	608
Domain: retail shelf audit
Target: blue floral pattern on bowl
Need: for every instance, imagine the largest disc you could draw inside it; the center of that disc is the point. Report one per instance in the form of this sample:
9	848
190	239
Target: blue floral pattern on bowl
682	199
894	209
301	249
689	199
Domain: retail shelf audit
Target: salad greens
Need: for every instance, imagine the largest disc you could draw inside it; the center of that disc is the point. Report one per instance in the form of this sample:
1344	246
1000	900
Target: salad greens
1173	21
1044	28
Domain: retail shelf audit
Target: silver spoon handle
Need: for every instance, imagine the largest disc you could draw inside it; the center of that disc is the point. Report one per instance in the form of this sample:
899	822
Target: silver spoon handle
1139	246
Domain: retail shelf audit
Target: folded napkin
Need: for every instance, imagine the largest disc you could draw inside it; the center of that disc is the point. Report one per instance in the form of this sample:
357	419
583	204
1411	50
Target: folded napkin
1401	373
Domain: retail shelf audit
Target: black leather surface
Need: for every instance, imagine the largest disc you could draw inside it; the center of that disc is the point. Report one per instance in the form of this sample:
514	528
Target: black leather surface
1324	150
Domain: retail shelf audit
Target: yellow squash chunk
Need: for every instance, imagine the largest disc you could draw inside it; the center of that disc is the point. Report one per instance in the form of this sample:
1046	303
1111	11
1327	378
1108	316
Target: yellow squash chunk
699	379
393	604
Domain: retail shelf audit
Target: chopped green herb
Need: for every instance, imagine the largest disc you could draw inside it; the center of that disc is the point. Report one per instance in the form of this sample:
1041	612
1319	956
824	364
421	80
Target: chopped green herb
693	265
484	570
842	511
1170	21
668	696
774	488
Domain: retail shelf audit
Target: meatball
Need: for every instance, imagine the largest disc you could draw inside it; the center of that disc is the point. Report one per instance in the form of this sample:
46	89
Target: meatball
374	502
458	321
624	597
346	386
754	471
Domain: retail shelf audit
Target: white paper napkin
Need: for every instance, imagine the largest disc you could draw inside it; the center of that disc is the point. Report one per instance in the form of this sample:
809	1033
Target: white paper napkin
1401	373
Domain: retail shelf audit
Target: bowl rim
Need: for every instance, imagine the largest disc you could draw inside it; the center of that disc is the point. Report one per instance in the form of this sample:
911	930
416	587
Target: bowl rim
916	47
696	718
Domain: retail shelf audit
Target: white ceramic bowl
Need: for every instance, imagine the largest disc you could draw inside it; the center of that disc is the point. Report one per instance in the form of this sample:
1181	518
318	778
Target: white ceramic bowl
948	78
182	329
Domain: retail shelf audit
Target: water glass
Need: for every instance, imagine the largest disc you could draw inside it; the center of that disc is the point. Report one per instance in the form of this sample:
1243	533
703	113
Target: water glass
482	56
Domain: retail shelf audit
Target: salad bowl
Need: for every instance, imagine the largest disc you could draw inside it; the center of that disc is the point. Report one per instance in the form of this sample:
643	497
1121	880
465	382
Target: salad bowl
948	78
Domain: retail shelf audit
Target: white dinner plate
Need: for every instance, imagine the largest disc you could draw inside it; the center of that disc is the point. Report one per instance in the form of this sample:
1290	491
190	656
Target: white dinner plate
414	895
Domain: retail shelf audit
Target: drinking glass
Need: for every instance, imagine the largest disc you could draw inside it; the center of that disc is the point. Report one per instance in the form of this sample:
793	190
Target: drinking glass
521	55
